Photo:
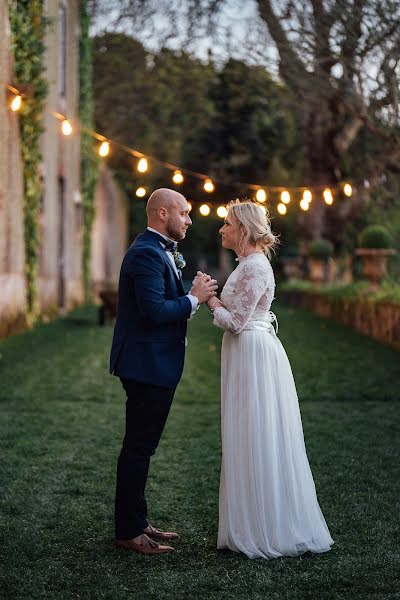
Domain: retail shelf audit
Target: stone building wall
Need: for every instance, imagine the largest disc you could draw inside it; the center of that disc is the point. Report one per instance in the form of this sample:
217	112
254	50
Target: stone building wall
61	220
12	278
61	215
110	233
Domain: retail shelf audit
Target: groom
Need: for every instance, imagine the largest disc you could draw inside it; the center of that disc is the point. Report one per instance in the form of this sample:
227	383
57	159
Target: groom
147	355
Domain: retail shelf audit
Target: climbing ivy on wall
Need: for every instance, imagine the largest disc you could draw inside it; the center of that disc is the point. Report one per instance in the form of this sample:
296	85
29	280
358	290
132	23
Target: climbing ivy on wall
28	27
89	161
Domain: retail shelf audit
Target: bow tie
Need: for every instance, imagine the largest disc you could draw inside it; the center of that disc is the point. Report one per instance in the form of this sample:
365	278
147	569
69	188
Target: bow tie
170	246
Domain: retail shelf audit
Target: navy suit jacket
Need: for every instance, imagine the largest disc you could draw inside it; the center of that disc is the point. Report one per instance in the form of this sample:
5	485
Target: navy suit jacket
149	334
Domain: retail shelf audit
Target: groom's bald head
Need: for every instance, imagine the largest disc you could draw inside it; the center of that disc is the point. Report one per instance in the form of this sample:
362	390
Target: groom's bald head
168	212
162	198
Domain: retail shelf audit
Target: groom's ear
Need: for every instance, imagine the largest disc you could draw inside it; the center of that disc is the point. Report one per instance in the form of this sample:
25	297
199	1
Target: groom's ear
163	213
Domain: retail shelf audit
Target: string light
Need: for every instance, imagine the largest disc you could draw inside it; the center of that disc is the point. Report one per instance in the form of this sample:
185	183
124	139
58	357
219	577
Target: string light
104	149
189	206
204	210
261	196
208	186
222	212
66	127
141	192
347	189
142	165
16	103
282	209
304	205
328	196
177	177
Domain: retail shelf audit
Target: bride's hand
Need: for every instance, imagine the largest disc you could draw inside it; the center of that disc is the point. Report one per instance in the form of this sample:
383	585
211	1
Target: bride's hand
214	303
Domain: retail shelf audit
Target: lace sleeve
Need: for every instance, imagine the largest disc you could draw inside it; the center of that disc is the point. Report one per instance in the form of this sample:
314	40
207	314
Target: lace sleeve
250	286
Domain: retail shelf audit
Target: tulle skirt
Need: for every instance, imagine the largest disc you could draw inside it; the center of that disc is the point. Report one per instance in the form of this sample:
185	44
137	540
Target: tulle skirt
268	505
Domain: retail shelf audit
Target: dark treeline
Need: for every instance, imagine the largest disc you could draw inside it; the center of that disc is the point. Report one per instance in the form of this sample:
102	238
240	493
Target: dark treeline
234	123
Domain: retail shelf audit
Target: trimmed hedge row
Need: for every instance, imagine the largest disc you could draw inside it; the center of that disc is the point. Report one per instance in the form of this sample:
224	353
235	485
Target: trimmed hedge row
379	320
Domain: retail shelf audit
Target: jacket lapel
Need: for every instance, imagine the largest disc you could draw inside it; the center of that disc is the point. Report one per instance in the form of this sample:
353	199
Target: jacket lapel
156	239
177	278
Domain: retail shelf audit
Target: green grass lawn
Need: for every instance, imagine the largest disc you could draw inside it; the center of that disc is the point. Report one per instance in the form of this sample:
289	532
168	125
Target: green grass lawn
61	425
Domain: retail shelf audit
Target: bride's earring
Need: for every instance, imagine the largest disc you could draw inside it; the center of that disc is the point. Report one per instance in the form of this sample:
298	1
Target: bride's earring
241	245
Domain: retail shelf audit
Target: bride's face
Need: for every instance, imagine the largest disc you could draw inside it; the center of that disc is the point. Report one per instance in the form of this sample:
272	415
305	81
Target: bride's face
230	232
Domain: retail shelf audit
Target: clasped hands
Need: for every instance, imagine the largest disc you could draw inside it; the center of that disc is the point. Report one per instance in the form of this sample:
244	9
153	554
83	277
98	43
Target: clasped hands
205	290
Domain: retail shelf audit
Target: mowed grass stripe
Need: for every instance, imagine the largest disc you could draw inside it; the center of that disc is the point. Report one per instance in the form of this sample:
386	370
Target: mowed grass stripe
61	425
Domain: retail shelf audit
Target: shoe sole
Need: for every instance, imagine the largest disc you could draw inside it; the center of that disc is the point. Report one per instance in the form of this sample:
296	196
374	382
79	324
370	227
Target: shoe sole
138	551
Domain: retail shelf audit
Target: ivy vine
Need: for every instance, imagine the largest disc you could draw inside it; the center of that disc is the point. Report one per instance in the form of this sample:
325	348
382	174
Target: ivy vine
89	160
28	28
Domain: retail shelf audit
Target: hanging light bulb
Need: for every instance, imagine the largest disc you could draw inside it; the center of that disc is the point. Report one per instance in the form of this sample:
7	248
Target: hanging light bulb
142	165
282	209
307	196
208	186
285	198
204	210
304	205
16	103
347	189
177	177
328	196
104	149
222	212
261	196
141	192
189	206
66	127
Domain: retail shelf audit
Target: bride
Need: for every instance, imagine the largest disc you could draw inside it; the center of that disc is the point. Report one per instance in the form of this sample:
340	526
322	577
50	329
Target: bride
268	505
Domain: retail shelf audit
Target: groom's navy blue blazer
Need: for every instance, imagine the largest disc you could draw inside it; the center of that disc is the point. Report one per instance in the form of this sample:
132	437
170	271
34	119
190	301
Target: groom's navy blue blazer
149	335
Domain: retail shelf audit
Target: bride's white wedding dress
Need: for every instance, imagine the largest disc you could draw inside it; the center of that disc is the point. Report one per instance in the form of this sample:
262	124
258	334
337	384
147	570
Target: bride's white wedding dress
268	505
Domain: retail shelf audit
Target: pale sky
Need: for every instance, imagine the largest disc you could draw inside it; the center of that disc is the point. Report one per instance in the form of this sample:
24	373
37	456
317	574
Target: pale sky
239	34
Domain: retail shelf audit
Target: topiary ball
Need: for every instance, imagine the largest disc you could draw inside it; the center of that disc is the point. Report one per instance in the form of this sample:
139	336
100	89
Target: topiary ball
321	249
374	237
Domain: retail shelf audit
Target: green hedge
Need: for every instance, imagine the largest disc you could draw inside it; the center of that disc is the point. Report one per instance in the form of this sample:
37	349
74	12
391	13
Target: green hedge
389	291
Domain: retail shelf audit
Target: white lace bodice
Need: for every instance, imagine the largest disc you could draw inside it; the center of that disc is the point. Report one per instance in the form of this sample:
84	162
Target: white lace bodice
247	294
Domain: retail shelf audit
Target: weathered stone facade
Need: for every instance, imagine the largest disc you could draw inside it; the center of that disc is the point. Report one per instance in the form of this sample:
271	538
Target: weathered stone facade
60	270
12	279
109	234
60	281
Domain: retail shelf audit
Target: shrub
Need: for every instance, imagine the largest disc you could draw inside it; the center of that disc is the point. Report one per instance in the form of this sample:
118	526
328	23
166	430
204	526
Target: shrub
322	249
375	236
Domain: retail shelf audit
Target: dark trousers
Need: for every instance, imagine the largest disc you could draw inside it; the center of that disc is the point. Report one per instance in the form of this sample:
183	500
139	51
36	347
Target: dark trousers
147	408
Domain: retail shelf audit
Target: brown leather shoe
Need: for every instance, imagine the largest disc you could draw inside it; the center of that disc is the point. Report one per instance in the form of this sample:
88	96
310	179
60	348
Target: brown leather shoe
157	534
144	546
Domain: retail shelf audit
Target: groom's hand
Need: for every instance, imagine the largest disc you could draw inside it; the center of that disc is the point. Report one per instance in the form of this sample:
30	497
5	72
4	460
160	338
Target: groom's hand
204	287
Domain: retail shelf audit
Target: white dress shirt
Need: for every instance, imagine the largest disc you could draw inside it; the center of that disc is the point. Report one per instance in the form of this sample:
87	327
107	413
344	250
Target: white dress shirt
193	299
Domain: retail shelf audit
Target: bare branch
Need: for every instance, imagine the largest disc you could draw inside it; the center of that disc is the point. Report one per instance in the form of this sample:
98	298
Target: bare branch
292	68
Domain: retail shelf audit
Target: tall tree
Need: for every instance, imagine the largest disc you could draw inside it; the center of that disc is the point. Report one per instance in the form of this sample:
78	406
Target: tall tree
341	61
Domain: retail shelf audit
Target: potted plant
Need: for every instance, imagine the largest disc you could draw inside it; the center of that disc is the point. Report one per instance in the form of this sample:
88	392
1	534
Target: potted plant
291	260
320	252
375	246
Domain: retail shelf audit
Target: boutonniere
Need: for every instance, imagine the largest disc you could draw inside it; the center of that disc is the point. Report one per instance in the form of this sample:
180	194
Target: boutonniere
179	260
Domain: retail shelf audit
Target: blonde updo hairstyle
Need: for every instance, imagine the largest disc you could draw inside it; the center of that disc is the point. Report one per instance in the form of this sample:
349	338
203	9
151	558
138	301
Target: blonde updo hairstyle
254	226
